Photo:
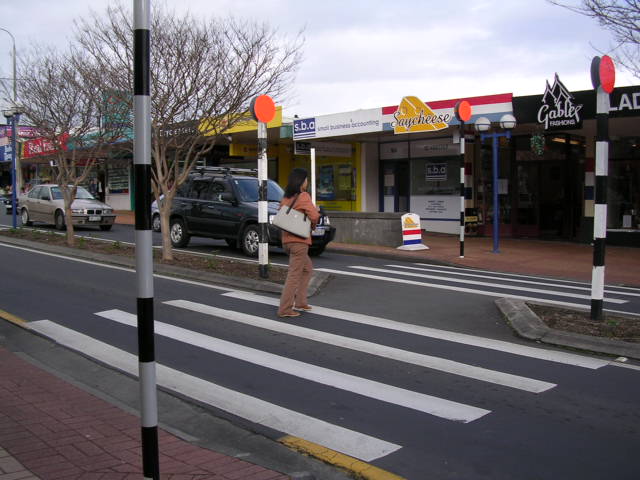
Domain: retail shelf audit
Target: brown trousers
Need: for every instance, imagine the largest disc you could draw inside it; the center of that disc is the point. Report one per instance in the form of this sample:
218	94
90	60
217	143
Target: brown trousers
298	277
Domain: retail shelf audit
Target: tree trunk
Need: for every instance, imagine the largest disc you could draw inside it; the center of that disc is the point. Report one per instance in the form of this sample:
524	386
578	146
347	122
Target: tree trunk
68	218
167	248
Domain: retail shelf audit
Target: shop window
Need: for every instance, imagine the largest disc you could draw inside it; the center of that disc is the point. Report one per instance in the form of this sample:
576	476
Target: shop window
623	193
435	176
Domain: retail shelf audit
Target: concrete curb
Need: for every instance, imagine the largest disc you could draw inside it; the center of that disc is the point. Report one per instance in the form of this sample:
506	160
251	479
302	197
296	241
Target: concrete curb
528	325
318	280
403	256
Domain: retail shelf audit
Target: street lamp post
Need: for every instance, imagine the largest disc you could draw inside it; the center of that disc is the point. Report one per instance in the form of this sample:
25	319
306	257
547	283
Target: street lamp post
507	122
13	115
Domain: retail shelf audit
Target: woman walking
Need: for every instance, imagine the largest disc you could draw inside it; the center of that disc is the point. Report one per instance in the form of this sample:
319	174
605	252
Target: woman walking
294	293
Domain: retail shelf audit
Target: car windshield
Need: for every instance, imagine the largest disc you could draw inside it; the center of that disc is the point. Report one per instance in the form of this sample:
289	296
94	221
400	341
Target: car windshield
81	194
248	188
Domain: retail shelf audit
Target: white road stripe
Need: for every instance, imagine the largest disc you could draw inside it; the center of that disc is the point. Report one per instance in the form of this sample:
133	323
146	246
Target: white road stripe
517	275
498	345
435	363
450	287
484	284
343	440
438	407
529	282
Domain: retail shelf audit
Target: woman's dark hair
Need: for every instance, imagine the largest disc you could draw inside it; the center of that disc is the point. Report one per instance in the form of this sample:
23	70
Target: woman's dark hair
296	179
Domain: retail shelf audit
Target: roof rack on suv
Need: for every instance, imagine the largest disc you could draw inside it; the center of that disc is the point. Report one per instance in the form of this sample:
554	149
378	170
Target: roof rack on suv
227	170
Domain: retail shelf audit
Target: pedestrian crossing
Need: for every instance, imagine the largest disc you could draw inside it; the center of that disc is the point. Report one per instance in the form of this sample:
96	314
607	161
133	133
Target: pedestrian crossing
363	441
563	293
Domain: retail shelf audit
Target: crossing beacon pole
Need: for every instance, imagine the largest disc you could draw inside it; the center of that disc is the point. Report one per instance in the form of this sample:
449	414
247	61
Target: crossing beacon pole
263	110
463	114
603	76
313	175
144	251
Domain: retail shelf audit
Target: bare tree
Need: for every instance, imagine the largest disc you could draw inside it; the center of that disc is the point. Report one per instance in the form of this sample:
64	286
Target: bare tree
70	117
204	74
622	19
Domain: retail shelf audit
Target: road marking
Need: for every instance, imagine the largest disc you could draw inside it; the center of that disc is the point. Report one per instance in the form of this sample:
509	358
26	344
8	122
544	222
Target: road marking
463	338
436	406
115	267
530	282
449	287
10	317
475	270
362	470
338	438
485	284
435	363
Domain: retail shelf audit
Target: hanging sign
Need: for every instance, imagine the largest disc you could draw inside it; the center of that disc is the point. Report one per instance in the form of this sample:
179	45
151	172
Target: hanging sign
559	110
413	115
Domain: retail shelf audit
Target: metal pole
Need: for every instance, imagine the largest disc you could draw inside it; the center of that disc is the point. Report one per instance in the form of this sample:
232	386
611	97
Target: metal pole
462	210
15	88
496	206
600	213
144	248
313	175
263	245
15	121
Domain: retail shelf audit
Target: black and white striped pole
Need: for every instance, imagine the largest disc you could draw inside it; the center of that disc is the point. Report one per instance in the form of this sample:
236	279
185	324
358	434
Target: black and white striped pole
263	110
603	80
463	114
144	249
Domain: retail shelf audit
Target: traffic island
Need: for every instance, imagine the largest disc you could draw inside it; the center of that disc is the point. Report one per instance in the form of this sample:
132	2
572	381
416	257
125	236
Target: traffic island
574	329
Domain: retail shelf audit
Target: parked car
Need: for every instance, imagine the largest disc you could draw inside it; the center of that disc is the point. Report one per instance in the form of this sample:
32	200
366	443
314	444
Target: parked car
155	215
44	203
222	203
5	199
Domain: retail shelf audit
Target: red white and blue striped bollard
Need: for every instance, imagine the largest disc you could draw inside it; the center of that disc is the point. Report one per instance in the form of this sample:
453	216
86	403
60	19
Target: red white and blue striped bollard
411	233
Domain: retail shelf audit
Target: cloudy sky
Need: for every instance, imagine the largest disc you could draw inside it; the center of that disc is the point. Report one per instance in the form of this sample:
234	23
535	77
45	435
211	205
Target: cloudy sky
371	53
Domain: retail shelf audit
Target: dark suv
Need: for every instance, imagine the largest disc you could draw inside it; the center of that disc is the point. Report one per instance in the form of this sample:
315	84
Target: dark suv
223	203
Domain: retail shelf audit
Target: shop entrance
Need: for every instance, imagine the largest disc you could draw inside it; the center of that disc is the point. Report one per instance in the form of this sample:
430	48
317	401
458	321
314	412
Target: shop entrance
547	202
395	186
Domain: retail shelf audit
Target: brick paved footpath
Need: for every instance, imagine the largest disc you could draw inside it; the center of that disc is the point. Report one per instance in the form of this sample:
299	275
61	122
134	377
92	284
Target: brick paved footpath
50	429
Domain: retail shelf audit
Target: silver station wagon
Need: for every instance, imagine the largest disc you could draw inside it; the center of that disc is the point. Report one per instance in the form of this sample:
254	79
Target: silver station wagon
45	203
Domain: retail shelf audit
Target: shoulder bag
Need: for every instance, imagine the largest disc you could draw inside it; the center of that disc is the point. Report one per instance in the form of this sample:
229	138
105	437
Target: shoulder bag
293	221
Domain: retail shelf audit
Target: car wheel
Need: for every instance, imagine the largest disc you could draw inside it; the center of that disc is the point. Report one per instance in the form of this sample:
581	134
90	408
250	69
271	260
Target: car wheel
25	218
232	242
250	241
155	222
105	228
315	251
178	233
59	221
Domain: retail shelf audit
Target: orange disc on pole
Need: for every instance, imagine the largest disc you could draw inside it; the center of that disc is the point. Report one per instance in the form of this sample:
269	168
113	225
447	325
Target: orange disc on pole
607	74
463	111
263	109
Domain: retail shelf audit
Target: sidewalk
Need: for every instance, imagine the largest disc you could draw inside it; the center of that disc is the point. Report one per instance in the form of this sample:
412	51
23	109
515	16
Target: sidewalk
50	429
559	259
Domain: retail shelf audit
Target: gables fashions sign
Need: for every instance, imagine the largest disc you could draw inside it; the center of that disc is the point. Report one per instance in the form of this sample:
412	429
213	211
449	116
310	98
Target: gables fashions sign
559	109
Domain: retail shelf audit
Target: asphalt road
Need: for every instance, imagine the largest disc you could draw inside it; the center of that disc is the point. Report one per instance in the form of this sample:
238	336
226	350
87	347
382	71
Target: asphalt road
378	371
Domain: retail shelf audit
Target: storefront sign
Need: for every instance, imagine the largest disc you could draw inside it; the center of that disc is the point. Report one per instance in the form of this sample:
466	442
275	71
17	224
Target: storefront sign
324	149
42	146
436	171
24	132
413	115
625	101
250	150
438	147
350	123
559	111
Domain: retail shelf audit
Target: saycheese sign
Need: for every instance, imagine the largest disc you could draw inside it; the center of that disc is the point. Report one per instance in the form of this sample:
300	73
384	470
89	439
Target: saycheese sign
413	115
